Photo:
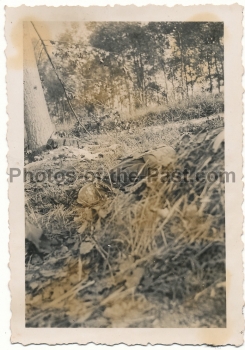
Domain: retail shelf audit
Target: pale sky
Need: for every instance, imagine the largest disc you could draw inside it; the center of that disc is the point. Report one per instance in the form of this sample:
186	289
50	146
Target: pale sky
51	30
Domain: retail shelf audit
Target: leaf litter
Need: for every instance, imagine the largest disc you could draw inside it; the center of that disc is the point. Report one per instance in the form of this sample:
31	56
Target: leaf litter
153	256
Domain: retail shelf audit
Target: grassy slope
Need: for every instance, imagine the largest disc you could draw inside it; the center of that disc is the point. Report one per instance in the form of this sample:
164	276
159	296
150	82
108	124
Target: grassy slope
147	270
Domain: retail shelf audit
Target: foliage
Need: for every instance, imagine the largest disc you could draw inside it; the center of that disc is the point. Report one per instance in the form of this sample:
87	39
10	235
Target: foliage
121	67
195	108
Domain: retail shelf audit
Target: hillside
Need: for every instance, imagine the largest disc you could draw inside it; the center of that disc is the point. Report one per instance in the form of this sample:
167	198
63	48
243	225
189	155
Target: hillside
152	255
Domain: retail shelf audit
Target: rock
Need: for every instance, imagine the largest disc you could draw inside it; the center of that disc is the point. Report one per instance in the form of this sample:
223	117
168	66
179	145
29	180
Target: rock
33	233
52	143
64	250
34	285
86	247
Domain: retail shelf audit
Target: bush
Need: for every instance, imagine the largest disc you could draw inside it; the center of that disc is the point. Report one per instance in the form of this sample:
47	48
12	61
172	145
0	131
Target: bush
192	108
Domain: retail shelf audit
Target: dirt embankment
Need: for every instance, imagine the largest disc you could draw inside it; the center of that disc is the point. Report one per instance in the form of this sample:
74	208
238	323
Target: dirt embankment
151	257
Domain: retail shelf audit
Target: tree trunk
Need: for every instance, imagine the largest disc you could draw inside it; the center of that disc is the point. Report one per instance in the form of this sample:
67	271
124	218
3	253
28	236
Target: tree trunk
63	109
209	74
142	78
181	65
217	72
128	95
126	77
192	82
172	81
36	117
57	109
186	81
163	65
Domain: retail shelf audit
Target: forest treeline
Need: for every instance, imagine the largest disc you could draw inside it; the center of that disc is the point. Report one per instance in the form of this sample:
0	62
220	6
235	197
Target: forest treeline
124	66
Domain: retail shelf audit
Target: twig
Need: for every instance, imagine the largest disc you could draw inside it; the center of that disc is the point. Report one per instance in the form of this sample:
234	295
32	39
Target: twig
140	171
103	253
109	179
198	295
39	58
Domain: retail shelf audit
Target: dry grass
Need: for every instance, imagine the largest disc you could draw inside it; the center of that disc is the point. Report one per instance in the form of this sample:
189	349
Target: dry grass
180	224
161	240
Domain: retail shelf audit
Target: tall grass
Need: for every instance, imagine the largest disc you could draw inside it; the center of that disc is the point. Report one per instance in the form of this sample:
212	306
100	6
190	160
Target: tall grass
193	107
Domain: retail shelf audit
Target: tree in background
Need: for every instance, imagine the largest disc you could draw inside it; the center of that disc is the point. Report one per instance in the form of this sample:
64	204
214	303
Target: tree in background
123	66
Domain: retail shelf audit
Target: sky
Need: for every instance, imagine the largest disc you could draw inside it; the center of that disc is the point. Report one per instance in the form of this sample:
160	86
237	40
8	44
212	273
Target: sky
52	30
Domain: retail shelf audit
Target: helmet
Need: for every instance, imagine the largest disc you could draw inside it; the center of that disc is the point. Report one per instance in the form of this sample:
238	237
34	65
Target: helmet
89	195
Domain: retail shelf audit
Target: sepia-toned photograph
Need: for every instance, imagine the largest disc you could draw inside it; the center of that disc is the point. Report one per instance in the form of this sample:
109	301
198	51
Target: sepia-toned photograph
124	174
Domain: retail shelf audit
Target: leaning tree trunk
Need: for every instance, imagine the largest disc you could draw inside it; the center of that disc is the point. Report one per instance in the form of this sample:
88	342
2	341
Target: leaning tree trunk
37	120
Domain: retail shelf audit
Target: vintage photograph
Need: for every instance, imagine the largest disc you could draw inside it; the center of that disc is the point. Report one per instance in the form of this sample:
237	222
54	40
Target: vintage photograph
124	174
